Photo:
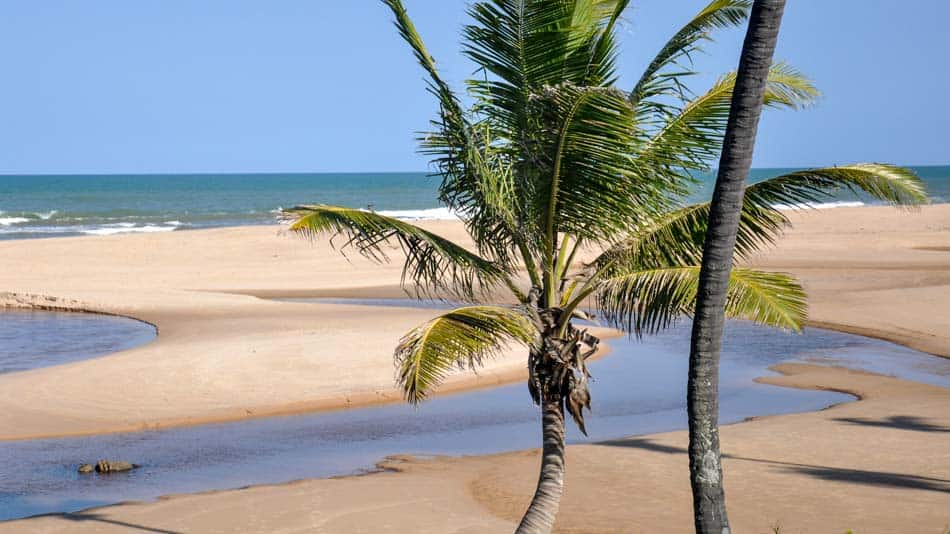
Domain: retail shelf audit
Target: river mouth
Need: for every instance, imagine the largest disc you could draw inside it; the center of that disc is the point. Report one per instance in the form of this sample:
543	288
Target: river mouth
638	389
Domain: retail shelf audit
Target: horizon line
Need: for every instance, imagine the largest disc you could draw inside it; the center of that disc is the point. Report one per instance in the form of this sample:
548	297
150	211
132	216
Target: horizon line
284	173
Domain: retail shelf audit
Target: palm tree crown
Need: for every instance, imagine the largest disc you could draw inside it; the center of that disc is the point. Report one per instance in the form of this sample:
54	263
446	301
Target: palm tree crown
551	157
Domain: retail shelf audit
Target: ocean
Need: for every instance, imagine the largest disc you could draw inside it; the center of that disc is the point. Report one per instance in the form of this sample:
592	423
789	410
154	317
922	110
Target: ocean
35	206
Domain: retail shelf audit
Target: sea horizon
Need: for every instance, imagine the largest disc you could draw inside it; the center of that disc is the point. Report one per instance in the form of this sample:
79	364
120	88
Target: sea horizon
59	205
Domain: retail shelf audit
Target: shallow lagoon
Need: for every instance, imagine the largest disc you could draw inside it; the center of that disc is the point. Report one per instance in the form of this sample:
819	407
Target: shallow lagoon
31	339
638	389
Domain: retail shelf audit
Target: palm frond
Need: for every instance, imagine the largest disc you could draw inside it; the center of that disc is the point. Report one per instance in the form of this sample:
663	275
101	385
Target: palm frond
646	301
462	338
772	299
476	176
469	165
889	183
591	188
526	45
538	57
662	76
601	64
434	264
451	109
692	139
677	238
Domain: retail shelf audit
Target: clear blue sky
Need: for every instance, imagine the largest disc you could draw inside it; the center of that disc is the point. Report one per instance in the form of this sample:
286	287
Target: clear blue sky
119	86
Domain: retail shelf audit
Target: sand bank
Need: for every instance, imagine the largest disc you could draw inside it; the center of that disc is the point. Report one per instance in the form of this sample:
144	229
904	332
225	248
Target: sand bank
219	355
878	272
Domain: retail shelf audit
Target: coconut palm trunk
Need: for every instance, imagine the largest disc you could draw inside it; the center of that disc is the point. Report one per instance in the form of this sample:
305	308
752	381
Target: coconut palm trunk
542	512
709	504
557	381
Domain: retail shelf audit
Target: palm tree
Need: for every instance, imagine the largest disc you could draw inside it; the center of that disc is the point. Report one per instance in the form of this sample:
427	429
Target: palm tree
705	462
551	157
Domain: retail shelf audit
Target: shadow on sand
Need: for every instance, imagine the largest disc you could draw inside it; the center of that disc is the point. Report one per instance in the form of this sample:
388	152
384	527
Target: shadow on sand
81	517
839	474
900	422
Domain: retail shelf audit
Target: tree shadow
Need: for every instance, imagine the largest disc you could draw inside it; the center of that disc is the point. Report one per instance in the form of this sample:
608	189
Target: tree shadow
871	478
643	443
901	422
838	474
80	517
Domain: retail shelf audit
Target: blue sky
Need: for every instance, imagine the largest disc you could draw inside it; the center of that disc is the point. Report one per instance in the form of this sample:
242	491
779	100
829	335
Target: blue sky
119	86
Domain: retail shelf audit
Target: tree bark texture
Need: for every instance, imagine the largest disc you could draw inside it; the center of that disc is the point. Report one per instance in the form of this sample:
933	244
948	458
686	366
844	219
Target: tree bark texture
542	512
709	507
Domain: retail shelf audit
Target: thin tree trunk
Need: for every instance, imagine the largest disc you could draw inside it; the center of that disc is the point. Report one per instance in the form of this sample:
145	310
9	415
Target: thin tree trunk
541	513
705	467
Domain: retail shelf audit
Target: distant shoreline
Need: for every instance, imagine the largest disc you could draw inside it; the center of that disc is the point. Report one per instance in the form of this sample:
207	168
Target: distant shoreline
44	206
416	215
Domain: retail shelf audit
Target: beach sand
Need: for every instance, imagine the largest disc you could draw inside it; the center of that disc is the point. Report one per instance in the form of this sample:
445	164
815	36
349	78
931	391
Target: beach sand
220	354
878	465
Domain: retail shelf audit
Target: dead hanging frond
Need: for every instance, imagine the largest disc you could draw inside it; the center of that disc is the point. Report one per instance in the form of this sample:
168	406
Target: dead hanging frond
557	368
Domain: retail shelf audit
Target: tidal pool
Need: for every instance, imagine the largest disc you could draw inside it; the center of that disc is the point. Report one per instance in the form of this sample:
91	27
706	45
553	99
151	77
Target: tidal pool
31	339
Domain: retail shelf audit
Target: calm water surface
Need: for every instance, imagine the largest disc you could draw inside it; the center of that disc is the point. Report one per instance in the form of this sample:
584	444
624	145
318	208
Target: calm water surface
30	339
638	389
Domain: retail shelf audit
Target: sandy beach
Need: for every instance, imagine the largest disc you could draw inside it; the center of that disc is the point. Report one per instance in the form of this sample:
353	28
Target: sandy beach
224	354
